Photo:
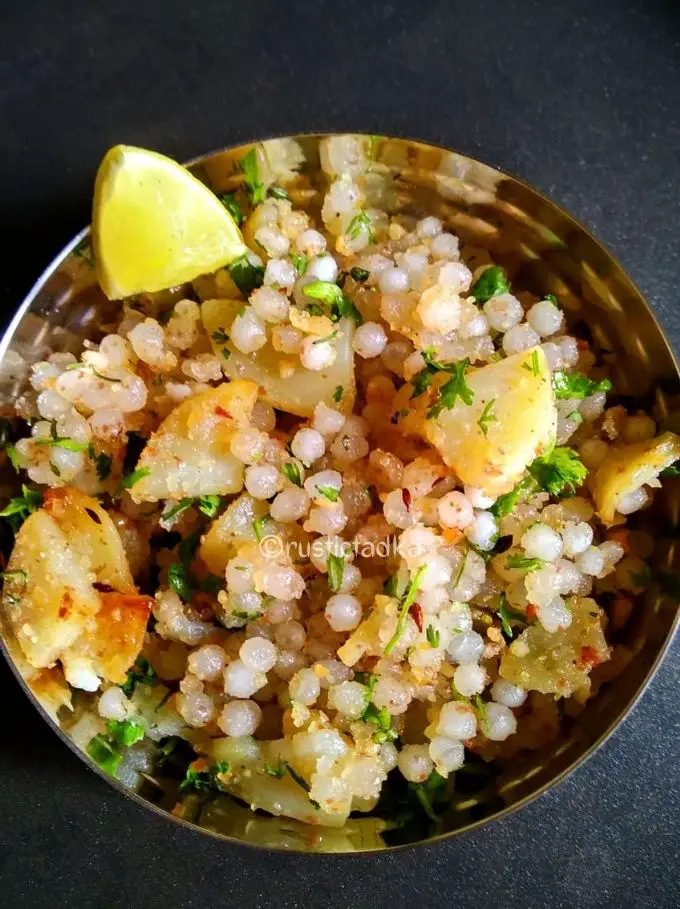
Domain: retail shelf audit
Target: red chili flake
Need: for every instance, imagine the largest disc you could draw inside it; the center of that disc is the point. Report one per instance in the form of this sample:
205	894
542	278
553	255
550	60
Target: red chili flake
589	656
583	345
416	613
531	612
406	497
221	412
65	605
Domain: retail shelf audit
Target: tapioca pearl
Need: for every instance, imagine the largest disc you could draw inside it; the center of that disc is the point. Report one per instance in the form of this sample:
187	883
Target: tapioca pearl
439	309
332	672
280	273
554	615
248	332
240	681
323	479
263	481
259	628
287	339
308	445
633	501
545	318
288	663
327	420
343	612
349	447
504	311
590	561
317	354
569	350
258	654
388	756
611	552
577	536
393	281
470	679
415	763
593	452
52	406
428	227
455	510
638	428
417	544
448	754
240	718
351	578
305	687
310	242
553	354
394	355
569	578
466	647
519	338
389	692
499	722
508	694
369	340
446	246
434	600
483	531
282	582
437	572
196	708
476	326
68	463
324	268
270	305
348	698
542	542
278	611
114	705
239	575
272	241
247	445
457	721
290	635
326	519
397	512
592	407
477	497
290	505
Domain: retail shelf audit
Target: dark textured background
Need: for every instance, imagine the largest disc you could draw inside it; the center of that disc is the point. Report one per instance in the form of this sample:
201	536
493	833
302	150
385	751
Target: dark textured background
581	100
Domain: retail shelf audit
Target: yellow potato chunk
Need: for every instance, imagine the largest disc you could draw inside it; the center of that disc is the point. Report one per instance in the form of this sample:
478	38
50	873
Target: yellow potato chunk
189	453
514	401
628	467
283	381
233	528
560	662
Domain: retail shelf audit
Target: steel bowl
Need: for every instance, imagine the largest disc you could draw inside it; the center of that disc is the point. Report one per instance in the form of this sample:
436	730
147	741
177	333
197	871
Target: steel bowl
544	250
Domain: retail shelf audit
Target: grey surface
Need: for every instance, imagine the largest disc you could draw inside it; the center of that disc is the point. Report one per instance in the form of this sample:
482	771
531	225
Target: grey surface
579	99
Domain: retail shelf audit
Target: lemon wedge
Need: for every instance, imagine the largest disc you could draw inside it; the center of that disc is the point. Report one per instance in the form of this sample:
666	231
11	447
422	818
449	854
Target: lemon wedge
154	225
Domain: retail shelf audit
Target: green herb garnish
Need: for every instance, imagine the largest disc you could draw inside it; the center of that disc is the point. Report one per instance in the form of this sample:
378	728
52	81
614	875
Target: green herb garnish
490	283
246	276
259	527
291	471
575	385
507	616
275	192
455	388
336	571
302	782
204	780
276	770
62	442
18	509
359	274
251	177
338	393
299	261
329	492
533	365
106	755
125	732
551	298
359	223
487	417
524	563
141	674
408	601
558	471
103	463
178	580
332	296
127	481
220	336
230	202
433	636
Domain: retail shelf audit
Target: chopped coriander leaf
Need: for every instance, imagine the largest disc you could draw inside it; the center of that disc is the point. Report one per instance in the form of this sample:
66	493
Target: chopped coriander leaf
13	456
275	192
220	336
177	509
433	636
328	338
106	755
178	580
575	416
127	481
551	298
490	283
331	295
338	393
487	417
125	732
480	708
315	310
329	492
211	583
302	782
407	602
141	674
62	442
299	261
336	571
275	770
209	505
455	388
576	385
259	527
246	276
188	546
558	471
18	509
672	471
230	202
505	504
291	471
359	223
251	177
533	365
523	562
422	381
204	780
369	679
103	463
507	616
359	274
372	147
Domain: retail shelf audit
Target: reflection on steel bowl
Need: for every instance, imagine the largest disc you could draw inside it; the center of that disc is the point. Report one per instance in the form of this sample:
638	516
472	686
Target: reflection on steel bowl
365	537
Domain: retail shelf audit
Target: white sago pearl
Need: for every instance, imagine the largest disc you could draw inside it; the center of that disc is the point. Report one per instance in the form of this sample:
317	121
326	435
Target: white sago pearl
445	246
590	561
369	340
545	318
417	544
633	501
240	681
258	654
439	309
349	447
519	338
327	519
325	268
637	428
469	679
414	262
389	756
428	227
542	585
113	705
310	242
290	505
280	273
279	611
248	445
466	647
438	571
287	339
332	672
351	578
554	615
553	354
316	354
503	311
305	687
457	721
577	536
569	351
282	582
396	512
393	694
593	452
259	629
69	463
249	602
308	445
393	281
322	547
483	531
447	754
240	718
542	542
349	698
247	331
394	355
288	663
197	708
270	305
569	578
499	722
611	552
290	635
343	612
507	694
478	497
328	479
455	510
326	420
434	600
207	663
458	276
415	763
263	481
52	405
593	406
273	241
